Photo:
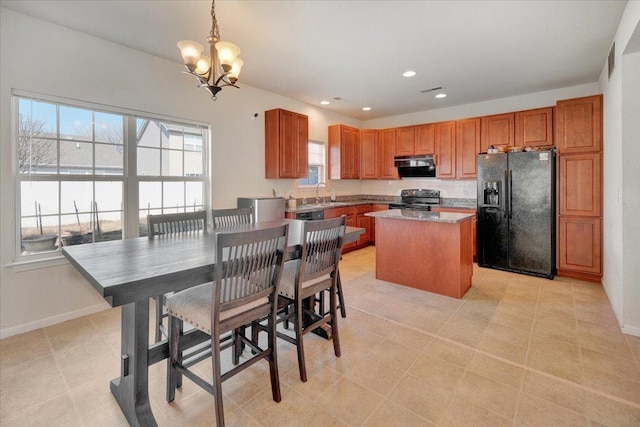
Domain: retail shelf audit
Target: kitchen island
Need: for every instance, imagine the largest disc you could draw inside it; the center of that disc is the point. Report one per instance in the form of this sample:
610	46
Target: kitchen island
426	250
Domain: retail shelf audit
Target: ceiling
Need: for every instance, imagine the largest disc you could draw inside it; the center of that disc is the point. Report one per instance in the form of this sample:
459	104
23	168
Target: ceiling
357	50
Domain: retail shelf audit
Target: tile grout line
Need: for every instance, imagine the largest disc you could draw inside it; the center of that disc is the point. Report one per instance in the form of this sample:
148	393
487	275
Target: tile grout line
526	368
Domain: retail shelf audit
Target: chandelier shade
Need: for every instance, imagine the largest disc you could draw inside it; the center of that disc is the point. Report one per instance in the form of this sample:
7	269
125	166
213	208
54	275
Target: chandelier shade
221	68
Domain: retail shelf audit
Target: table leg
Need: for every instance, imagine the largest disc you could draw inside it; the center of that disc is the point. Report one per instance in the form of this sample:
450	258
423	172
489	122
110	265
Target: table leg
131	389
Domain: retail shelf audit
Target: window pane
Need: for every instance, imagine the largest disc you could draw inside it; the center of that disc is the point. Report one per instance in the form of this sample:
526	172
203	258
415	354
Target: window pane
148	133
75	123
36	119
193	142
76	196
109	196
38	197
37	155
142	226
108	226
76	157
171	163
193	195
173	197
192	163
172	137
109	159
76	229
148	162
39	236
109	128
150	195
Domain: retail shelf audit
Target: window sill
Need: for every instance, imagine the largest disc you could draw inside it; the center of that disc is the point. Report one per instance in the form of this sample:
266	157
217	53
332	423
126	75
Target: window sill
34	264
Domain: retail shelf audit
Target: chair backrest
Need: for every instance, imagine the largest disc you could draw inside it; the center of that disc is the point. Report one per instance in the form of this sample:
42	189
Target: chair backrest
322	247
176	223
225	218
247	272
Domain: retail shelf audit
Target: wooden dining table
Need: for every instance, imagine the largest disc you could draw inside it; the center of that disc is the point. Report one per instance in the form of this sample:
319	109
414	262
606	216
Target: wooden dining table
129	272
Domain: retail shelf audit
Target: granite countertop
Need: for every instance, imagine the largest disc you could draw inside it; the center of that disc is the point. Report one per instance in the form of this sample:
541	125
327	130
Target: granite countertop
416	215
345	201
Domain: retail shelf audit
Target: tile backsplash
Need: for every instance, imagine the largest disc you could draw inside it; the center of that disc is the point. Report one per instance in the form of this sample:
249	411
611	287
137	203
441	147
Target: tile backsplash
450	189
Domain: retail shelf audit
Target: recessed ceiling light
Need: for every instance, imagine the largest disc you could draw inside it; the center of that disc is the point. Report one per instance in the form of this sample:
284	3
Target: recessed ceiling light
366	108
441	95
325	102
408	73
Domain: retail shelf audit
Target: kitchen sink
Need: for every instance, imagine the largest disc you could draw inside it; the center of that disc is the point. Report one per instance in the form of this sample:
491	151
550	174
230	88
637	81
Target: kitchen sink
321	205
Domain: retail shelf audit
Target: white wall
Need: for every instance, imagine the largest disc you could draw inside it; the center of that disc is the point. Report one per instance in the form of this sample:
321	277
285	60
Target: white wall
44	58
621	244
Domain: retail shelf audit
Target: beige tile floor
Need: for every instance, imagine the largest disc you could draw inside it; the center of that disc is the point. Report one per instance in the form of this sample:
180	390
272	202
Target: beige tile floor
516	350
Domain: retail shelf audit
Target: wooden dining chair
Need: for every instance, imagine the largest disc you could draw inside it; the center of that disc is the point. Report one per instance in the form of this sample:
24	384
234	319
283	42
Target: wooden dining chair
188	222
225	218
307	278
247	271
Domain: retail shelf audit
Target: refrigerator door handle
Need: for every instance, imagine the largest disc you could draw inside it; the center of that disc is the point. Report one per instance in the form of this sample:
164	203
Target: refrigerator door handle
507	194
510	206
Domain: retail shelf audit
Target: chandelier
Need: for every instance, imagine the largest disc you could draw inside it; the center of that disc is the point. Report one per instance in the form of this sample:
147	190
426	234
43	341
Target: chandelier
219	69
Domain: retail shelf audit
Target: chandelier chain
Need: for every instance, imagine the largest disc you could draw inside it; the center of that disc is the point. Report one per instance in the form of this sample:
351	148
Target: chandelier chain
215	32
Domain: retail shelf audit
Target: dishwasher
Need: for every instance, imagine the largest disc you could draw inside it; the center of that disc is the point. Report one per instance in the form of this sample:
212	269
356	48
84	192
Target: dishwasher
310	216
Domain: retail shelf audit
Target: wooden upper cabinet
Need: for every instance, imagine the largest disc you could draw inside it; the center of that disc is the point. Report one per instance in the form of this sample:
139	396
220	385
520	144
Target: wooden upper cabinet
405	141
369	158
286	144
534	128
387	151
425	139
467	148
498	130
344	152
580	184
445	138
578	125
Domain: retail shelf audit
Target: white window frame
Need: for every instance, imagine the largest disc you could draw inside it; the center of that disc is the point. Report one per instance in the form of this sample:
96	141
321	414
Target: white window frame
321	177
129	178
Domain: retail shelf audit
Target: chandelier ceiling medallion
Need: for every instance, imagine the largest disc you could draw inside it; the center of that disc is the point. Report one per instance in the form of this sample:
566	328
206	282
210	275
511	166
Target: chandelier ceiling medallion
221	68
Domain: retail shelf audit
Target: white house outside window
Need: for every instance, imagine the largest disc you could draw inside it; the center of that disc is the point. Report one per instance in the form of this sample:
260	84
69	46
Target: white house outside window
316	152
79	167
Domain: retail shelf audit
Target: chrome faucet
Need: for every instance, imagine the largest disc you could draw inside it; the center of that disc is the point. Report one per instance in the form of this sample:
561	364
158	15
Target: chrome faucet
318	188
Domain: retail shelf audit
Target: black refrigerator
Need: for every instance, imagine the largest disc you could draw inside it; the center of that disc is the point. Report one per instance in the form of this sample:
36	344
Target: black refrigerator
516	212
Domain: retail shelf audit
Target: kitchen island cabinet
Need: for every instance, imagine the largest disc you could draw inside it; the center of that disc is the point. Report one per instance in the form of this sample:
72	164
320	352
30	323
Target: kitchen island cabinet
431	251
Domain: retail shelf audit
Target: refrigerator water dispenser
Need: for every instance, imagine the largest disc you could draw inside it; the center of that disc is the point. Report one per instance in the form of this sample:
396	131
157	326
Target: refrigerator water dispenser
491	193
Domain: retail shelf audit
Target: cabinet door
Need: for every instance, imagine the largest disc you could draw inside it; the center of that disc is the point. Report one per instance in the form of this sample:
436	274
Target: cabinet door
286	139
534	128
425	139
580	244
446	150
467	147
578	125
387	144
405	141
352	151
580	184
498	130
293	149
369	154
363	221
376	208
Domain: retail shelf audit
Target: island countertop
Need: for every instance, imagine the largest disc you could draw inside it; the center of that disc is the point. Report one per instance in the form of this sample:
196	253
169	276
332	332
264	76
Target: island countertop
416	215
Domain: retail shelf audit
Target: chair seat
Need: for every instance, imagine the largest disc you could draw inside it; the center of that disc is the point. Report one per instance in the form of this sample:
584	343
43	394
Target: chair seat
194	306
288	281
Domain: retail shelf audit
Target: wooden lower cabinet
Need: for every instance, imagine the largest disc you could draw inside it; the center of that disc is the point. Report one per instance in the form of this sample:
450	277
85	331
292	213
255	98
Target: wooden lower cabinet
350	212
580	247
355	218
474	225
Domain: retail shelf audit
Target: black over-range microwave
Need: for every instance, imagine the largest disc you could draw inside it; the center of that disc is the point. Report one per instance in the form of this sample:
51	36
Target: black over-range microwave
415	166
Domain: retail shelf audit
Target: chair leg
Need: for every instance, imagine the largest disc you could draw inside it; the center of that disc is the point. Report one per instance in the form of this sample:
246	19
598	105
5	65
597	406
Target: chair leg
174	378
159	312
334	321
217	380
299	342
343	309
273	357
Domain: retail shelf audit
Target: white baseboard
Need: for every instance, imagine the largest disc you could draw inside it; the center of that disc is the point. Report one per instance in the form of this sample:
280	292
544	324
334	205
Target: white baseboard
631	330
28	327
